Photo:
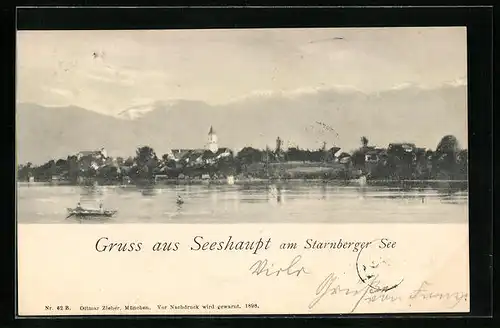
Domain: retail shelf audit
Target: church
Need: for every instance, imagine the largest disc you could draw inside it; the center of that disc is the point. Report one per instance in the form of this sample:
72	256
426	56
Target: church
210	154
212	141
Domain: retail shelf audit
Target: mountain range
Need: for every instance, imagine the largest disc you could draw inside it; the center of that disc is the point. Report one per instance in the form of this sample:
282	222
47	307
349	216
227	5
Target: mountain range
305	119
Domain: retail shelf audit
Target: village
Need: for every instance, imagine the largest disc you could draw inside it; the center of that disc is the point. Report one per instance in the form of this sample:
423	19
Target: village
397	161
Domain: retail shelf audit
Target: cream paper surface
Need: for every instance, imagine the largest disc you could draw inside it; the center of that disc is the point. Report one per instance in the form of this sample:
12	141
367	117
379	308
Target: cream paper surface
60	272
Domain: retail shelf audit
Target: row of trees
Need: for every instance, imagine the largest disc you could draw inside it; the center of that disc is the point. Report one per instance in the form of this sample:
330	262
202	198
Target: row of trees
146	164
448	161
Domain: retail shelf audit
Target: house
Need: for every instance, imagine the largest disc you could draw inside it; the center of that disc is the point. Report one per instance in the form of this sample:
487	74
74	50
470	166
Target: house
344	158
178	154
404	147
194	157
186	155
203	157
330	154
223	153
100	154
211	154
93	158
375	155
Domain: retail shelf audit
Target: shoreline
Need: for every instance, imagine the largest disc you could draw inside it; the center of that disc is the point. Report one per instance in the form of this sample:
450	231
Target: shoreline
462	184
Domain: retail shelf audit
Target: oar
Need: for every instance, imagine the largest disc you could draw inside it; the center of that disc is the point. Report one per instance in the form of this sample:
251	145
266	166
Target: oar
70	215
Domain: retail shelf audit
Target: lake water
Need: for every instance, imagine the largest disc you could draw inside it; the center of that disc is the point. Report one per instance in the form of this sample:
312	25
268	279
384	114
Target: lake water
288	203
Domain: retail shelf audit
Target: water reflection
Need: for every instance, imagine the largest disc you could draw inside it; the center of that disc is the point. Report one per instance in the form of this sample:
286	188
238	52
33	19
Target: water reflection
150	192
275	194
323	191
277	202
92	191
91	196
179	207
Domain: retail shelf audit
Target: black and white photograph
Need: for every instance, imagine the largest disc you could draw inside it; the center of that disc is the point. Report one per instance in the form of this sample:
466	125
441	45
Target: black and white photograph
323	125
196	171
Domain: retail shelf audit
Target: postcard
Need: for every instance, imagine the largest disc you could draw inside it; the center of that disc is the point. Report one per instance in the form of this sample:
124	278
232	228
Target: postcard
242	171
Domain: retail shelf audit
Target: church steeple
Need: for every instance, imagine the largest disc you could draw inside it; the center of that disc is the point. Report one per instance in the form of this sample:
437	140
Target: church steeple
212	140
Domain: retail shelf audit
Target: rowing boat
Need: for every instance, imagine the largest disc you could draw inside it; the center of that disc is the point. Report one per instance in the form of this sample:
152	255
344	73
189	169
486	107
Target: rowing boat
90	212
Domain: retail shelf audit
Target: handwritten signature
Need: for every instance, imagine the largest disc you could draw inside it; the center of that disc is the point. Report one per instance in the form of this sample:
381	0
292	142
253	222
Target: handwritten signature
372	292
424	294
263	267
327	287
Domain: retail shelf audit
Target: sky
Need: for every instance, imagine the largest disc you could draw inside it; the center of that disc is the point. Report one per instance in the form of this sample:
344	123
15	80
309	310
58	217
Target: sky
110	71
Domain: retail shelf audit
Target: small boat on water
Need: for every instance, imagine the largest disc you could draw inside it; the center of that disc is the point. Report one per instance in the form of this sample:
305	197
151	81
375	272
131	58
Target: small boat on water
90	212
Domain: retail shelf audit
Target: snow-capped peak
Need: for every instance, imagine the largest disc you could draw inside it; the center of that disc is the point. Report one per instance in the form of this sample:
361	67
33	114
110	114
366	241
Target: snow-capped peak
405	85
135	112
139	111
293	93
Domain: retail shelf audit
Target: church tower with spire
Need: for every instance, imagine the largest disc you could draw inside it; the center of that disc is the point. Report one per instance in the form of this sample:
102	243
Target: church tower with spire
212	141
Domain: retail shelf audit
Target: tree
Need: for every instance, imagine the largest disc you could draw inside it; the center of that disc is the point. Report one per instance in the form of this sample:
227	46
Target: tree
129	161
358	158
45	171
316	155
24	172
120	161
109	173
364	141
446	154
266	155
249	155
295	154
278	152
73	168
62	166
463	161
61	162
146	160
279	143
448	144
145	154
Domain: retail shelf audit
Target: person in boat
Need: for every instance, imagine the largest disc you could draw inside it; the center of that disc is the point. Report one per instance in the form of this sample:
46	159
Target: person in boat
179	200
101	209
79	206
